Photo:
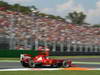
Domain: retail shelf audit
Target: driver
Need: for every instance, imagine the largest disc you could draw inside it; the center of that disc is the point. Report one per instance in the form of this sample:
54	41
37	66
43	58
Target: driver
45	50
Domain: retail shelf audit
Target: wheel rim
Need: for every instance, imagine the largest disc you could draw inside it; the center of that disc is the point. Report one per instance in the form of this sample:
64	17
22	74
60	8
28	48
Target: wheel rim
65	64
31	63
55	65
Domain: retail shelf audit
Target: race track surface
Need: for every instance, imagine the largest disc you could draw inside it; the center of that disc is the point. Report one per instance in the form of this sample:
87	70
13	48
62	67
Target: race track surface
17	64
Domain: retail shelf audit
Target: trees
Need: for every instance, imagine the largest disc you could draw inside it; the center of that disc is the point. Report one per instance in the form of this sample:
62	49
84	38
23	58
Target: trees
33	8
56	17
19	8
76	17
96	25
3	4
50	16
15	7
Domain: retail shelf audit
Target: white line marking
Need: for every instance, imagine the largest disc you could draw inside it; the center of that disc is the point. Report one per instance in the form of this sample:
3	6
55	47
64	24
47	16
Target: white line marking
17	69
86	62
9	61
38	69
31	69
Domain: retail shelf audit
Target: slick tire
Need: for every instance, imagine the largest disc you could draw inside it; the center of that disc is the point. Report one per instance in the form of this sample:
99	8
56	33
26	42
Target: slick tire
32	64
65	65
24	64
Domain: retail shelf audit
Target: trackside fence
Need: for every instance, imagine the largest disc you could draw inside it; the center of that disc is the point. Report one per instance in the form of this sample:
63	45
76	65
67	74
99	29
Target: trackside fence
57	48
16	53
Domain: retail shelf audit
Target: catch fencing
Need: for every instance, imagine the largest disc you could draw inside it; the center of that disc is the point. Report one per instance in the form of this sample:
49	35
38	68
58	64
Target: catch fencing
57	48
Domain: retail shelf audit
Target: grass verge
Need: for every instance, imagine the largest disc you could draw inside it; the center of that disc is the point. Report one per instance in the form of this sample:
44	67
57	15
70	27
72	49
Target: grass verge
74	57
9	58
57	57
50	73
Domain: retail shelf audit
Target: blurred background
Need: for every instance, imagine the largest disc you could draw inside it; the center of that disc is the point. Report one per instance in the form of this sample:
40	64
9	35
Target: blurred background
27	28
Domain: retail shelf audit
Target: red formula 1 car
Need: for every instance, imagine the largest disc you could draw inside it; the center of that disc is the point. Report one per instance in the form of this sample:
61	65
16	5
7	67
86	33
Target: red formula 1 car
43	60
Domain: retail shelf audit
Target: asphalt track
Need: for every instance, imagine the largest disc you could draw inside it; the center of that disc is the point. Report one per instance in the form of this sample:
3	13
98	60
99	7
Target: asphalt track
88	64
11	65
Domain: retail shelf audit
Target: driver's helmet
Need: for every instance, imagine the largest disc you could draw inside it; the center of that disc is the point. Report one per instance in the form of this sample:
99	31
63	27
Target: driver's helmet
40	48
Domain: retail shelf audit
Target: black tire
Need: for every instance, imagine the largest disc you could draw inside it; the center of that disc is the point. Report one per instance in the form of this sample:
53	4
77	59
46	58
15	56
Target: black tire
65	65
31	64
55	66
24	64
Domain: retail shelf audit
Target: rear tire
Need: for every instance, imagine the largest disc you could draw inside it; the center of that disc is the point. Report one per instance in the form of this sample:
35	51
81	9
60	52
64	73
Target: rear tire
24	64
54	65
32	64
65	65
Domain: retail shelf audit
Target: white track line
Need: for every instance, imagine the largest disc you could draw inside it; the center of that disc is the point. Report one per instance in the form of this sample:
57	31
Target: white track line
86	62
9	61
31	69
16	69
95	69
39	69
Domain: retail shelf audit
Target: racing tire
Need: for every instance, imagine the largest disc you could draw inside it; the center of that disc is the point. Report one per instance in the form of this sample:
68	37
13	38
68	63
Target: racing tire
24	64
32	64
65	65
55	66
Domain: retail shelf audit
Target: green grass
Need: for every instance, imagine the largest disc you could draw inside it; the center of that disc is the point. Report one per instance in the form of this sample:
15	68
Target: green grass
74	57
9	58
50	73
57	57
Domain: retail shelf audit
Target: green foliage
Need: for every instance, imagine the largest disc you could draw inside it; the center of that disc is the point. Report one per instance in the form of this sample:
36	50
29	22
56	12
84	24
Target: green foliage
56	17
76	18
19	8
16	7
27	10
3	4
50	16
97	25
33	7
